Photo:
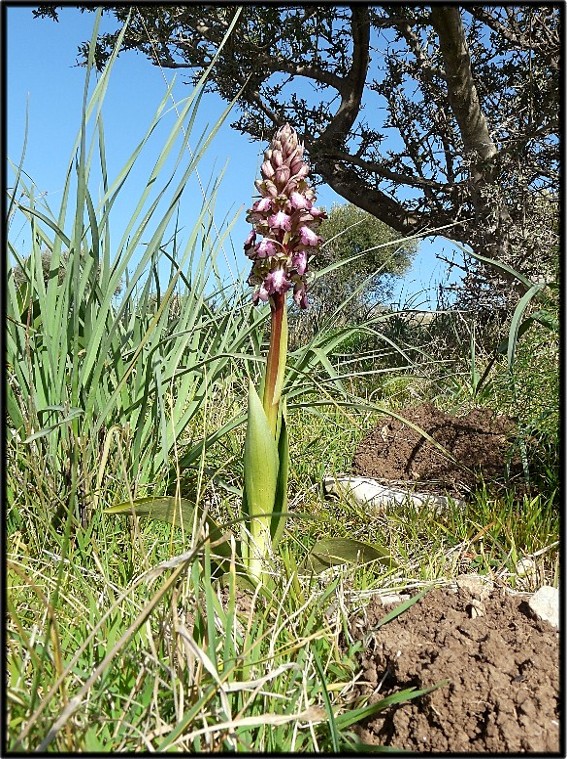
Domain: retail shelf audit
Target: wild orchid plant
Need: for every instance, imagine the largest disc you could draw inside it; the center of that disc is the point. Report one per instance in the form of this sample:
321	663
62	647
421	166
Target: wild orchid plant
286	218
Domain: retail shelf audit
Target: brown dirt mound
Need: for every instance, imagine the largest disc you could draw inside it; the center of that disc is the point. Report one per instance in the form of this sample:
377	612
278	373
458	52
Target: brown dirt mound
503	668
479	441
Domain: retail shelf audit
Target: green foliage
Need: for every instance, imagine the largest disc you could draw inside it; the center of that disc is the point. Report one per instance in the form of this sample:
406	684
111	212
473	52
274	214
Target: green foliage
330	552
395	135
349	291
349	230
78	359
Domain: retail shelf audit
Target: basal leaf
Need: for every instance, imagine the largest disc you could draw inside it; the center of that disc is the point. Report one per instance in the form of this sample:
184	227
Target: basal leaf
261	461
176	511
330	552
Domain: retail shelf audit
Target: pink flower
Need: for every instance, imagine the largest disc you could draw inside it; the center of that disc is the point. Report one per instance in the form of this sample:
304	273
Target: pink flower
250	240
298	200
299	262
280	220
266	248
249	244
285	217
277	282
262	205
262	293
300	294
308	237
317	213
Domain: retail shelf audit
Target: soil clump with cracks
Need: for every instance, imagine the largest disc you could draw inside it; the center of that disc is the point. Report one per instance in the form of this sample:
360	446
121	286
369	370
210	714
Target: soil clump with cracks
501	663
502	666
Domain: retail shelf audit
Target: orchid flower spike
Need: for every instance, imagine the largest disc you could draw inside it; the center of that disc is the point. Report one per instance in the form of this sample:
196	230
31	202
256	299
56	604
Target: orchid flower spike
286	218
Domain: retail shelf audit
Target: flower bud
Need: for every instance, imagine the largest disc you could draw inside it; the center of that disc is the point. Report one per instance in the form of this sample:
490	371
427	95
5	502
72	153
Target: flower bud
277	158
270	188
282	175
267	170
296	165
288	138
290	186
302	172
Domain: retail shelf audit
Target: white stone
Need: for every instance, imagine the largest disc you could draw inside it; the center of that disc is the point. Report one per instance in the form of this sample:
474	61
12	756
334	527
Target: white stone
366	491
393	599
525	567
545	604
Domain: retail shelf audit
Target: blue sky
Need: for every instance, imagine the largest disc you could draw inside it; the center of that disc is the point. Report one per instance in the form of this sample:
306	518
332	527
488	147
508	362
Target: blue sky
42	77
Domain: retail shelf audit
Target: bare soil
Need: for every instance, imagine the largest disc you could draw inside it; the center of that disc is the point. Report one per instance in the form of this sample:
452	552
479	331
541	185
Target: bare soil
502	666
480	443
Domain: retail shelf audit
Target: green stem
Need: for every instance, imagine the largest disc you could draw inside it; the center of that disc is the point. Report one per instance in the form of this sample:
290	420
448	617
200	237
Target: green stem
275	366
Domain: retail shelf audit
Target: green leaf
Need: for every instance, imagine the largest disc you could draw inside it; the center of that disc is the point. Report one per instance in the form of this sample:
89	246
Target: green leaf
330	714
330	552
356	715
546	319
277	523
261	461
499	265
179	512
73	413
515	327
261	465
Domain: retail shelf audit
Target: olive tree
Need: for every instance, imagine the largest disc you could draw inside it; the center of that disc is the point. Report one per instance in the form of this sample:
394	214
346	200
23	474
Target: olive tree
435	119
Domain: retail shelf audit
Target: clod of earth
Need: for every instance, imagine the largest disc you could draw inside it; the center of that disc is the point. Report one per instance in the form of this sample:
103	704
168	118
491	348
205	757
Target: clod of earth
502	664
479	442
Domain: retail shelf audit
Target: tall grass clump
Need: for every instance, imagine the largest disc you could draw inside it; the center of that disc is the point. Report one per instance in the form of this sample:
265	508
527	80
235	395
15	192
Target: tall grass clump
95	349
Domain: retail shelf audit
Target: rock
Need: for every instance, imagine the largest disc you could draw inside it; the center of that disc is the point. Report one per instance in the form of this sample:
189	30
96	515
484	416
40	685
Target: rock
545	604
367	491
394	599
525	567
476	609
478	586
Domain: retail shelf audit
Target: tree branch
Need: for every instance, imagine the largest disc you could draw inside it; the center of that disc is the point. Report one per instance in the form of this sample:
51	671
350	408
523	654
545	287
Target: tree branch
377	168
313	72
346	182
351	96
462	92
